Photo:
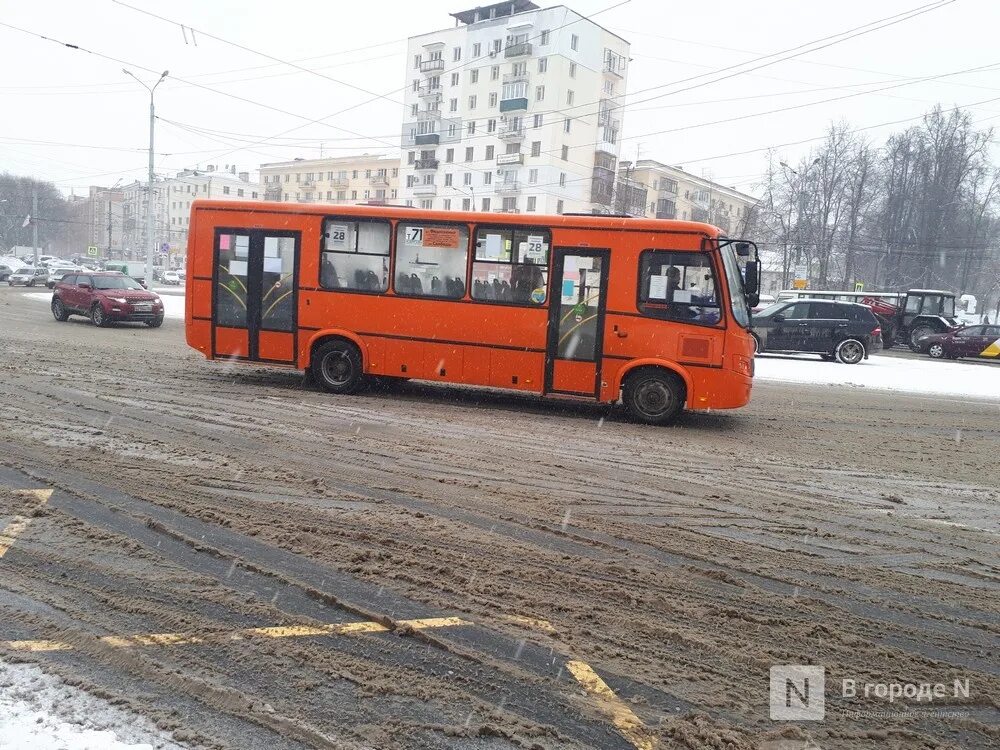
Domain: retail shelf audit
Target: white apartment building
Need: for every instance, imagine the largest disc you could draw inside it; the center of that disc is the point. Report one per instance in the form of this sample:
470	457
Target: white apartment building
342	179
172	206
672	193
514	109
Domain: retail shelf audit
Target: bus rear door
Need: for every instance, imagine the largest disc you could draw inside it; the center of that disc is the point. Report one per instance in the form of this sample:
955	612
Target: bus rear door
576	321
254	301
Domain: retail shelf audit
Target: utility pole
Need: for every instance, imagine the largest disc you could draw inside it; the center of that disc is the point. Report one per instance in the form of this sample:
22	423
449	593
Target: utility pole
34	225
150	239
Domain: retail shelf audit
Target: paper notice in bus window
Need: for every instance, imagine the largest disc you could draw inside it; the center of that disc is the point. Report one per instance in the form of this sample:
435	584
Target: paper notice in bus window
493	247
413	236
584	263
242	246
657	287
272	265
682	296
336	235
535	250
237	268
224	240
441	237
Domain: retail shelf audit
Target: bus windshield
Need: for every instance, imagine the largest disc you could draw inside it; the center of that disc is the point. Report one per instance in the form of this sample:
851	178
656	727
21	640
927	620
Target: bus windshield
734	280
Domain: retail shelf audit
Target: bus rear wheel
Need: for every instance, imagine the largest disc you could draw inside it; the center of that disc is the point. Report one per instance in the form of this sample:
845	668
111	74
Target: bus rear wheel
337	366
653	396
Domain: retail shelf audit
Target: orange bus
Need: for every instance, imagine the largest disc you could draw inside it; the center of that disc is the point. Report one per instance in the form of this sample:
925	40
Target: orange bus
651	312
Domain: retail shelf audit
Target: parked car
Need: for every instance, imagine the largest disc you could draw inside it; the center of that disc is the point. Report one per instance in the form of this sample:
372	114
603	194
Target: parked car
57	272
171	278
841	331
5	272
970	341
763	301
29	276
106	297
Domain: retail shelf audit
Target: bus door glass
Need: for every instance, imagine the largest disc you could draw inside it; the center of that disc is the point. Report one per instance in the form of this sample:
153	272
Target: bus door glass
254	299
576	321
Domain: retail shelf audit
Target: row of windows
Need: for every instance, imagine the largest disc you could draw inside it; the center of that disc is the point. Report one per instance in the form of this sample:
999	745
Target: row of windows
518	68
431	260
489	153
509	265
507	177
495	46
341	195
330	176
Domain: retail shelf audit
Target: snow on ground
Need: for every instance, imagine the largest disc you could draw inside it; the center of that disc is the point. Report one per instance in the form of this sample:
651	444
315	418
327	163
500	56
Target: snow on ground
40	712
921	376
173	305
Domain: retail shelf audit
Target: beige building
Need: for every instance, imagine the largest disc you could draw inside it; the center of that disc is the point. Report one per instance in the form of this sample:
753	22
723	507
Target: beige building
672	193
341	179
513	109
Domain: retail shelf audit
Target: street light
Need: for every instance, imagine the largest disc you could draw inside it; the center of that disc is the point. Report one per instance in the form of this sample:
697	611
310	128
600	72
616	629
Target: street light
149	187
471	194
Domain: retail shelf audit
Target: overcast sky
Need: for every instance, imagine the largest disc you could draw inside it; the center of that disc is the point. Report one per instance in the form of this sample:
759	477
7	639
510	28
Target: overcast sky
82	105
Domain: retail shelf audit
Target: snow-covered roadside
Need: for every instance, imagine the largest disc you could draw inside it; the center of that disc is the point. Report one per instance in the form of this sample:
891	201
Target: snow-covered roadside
173	305
931	377
40	712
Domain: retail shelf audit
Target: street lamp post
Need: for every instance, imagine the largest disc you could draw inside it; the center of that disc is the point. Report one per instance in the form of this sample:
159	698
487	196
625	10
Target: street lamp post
150	240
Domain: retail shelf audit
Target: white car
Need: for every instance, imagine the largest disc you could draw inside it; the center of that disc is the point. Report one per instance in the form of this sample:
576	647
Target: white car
57	272
28	276
172	278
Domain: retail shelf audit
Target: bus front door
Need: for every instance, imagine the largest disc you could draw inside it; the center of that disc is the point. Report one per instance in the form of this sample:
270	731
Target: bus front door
576	321
254	301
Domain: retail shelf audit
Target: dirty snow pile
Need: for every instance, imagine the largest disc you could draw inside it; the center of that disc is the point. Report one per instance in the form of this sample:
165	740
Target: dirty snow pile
40	712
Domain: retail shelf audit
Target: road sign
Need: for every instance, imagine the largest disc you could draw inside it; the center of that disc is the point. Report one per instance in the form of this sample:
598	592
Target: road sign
165	247
859	286
92	251
801	277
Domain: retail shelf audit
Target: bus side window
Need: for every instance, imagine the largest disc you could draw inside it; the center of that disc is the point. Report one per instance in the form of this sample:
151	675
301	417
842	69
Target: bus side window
511	265
678	286
355	255
430	259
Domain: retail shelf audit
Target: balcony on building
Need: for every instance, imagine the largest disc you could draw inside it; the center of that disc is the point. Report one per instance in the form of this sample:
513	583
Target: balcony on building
607	138
423	190
507	186
509	131
425	164
506	210
431	66
339	182
427	139
514	104
271	194
518	49
517	158
429	94
379	180
614	64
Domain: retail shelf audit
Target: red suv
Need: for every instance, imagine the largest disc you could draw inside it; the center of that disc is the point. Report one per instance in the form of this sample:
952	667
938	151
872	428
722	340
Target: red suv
105	297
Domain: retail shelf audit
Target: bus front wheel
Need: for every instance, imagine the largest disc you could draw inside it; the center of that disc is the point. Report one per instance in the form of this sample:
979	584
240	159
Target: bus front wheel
653	396
336	365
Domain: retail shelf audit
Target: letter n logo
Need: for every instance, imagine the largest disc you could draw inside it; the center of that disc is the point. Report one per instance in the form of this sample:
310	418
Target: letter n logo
797	692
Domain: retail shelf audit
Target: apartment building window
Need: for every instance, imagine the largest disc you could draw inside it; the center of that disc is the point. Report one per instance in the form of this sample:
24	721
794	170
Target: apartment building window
452	129
225	189
559	206
565	153
489	153
574	42
513	148
491	126
472	102
395	172
488	177
447	204
543	64
465	204
532	176
468	153
572	70
434	83
428	203
609	88
454	79
456	54
536	148
477	49
447	179
539	93
467	178
474	76
410	157
393	193
471	127
562	179
411	180
543	38
416	85
497	45
537	121
531	203
569	97
510	205
566	124
495	73
453	105
428	180
368	174
449	155
416	62
287	178
341	195
239	192
493	99
486	204
329	195
286	197
354	174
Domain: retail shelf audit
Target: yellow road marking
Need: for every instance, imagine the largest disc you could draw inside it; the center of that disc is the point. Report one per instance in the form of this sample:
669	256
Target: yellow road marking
621	716
19	523
278	631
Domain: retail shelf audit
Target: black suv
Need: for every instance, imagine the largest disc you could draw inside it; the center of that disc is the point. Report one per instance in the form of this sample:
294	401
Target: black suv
842	331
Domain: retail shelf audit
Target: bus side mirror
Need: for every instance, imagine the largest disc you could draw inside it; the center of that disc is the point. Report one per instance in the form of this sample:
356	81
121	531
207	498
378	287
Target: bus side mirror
751	282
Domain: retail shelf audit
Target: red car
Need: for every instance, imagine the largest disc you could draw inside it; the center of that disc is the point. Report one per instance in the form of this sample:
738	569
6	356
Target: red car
105	297
970	341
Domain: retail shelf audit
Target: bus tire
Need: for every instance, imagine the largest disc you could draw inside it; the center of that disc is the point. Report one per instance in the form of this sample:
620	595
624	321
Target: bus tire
653	395
336	365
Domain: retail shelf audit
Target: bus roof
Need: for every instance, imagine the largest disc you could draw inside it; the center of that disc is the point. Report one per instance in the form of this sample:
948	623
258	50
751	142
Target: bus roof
587	221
